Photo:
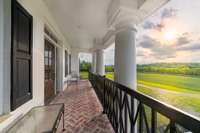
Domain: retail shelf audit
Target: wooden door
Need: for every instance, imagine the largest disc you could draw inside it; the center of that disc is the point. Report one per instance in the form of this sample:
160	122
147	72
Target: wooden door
49	58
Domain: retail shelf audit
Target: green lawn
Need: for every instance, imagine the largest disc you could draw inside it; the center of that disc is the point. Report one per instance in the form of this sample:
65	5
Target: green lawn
110	75
180	91
83	75
170	82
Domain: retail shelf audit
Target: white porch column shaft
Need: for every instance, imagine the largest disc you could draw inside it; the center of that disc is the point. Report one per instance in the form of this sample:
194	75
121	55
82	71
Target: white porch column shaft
94	62
125	57
125	62
75	62
100	62
60	68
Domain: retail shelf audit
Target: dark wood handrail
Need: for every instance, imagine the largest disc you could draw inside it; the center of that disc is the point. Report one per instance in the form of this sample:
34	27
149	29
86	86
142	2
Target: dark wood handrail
125	107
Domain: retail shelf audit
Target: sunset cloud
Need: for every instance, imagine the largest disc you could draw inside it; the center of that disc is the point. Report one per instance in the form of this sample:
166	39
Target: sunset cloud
191	47
158	50
168	13
183	40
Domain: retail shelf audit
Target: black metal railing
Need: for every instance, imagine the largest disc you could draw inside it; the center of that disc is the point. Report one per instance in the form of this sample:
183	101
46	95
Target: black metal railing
130	111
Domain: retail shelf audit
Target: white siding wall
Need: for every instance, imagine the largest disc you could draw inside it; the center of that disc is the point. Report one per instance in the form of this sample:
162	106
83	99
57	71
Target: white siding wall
5	40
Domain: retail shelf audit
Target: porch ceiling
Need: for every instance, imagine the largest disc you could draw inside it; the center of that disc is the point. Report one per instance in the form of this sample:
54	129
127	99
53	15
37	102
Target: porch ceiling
81	21
88	24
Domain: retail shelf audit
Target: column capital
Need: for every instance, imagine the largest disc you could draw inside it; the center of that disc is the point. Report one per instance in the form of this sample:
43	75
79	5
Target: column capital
124	26
135	11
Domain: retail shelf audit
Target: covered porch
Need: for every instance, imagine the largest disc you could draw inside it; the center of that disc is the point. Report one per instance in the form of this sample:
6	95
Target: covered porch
40	42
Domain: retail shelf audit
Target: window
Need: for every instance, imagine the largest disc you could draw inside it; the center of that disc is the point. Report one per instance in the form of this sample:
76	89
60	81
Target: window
21	90
66	63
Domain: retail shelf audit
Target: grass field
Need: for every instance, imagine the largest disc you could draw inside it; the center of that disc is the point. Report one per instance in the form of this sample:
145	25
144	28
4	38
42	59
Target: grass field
182	92
83	75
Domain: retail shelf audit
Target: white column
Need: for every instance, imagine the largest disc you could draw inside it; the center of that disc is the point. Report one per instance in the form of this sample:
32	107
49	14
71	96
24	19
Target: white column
60	68
100	63
94	62
75	62
125	61
125	57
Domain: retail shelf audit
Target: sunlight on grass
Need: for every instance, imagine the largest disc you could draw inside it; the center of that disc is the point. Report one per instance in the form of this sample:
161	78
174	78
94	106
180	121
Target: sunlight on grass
171	81
179	91
109	75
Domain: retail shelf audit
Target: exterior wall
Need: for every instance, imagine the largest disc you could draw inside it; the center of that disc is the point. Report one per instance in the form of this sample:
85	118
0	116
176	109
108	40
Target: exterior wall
5	47
41	17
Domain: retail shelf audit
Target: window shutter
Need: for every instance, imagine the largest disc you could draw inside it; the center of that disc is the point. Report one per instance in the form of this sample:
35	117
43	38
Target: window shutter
21	90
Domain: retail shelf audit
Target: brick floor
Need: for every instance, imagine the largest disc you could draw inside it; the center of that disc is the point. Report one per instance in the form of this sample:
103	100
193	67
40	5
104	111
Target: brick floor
83	112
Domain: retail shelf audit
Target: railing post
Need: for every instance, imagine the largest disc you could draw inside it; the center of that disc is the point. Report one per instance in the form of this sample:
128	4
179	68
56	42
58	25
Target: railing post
89	75
153	121
172	126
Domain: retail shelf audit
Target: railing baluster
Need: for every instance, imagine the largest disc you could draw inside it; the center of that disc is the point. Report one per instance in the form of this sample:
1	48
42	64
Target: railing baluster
113	104
120	113
132	115
104	95
117	109
153	121
145	119
140	119
125	113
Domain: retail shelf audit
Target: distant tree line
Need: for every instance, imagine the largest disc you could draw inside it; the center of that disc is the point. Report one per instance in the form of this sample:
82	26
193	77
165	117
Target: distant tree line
171	68
166	68
86	66
109	68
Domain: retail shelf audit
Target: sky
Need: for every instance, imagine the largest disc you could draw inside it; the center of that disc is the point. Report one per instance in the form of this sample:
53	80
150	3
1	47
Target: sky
85	57
171	34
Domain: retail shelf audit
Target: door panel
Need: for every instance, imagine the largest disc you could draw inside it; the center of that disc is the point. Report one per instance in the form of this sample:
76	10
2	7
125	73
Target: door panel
49	59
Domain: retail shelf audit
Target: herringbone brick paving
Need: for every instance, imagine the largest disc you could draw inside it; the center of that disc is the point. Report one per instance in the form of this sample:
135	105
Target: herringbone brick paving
83	112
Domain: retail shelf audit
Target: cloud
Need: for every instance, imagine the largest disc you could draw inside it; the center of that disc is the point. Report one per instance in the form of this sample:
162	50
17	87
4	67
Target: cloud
165	13
168	13
148	25
141	52
147	42
158	51
183	40
190	47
